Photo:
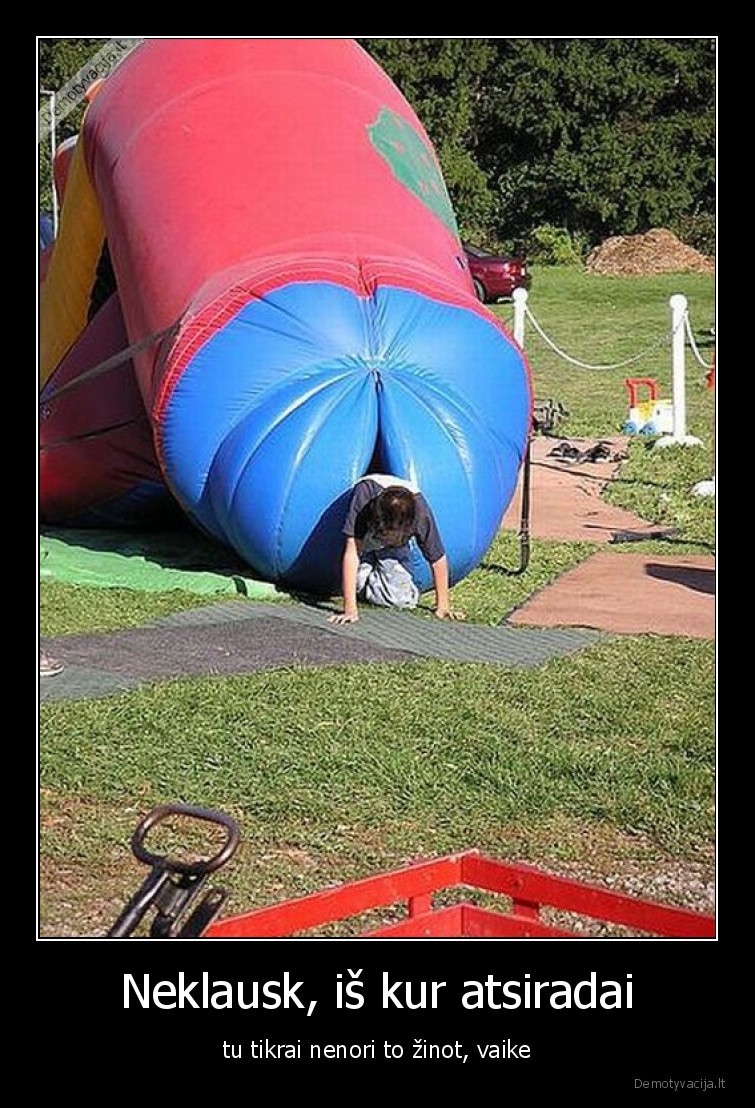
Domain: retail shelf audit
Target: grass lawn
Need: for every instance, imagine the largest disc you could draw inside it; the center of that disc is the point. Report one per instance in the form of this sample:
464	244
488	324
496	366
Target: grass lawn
600	765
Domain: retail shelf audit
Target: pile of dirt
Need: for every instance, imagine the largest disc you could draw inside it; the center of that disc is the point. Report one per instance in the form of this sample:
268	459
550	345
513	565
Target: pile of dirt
658	251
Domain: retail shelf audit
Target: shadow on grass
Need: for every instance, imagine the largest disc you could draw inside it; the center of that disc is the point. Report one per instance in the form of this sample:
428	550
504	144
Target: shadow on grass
310	600
620	538
505	571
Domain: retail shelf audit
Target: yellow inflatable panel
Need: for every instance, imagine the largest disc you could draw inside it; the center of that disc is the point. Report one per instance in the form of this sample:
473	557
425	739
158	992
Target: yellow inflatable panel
65	292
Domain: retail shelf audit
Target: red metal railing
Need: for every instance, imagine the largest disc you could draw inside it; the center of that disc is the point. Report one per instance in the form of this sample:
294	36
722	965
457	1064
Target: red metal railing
527	890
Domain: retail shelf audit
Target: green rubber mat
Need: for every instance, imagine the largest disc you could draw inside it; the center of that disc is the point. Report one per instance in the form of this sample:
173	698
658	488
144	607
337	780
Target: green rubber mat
150	561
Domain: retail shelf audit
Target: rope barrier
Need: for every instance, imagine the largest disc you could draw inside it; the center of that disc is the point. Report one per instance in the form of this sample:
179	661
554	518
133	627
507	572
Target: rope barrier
680	335
693	345
586	365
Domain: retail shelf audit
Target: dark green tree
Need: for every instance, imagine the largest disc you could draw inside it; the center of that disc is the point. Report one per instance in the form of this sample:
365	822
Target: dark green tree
599	136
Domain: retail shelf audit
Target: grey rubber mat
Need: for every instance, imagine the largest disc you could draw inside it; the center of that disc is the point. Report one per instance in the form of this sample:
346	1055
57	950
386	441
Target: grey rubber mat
237	637
98	665
406	631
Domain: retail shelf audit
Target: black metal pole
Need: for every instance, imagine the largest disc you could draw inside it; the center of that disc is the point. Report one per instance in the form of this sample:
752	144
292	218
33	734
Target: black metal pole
524	522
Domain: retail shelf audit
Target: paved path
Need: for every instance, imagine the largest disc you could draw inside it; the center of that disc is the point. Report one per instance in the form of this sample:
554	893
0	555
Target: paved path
630	594
615	590
565	500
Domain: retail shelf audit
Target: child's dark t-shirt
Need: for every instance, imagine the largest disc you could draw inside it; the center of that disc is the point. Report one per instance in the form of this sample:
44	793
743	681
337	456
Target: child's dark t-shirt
359	518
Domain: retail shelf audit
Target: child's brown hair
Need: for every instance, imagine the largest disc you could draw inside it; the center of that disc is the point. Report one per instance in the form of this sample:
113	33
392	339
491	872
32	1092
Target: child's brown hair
394	515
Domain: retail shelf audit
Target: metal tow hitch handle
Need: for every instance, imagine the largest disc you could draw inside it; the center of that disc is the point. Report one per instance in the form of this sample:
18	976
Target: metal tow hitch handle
173	883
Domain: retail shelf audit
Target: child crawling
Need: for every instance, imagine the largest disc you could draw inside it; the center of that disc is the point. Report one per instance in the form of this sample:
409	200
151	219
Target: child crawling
385	513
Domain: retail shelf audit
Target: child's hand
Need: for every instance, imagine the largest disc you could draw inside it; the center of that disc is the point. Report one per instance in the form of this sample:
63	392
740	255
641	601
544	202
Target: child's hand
344	617
449	613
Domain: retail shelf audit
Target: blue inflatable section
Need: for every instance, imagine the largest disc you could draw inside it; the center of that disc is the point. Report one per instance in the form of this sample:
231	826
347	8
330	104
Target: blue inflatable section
308	389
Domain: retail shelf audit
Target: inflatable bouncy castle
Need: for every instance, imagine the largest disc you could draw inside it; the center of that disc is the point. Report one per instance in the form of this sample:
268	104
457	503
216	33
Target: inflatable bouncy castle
257	295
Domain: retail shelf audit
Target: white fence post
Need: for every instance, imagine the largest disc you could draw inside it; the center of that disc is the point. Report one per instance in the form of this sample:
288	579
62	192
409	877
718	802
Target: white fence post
678	305
520	309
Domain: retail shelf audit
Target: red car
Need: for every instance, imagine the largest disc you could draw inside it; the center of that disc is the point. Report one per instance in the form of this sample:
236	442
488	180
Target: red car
495	277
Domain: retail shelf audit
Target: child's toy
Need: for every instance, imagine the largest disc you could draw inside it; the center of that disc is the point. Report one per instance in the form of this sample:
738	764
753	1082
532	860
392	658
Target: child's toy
651	416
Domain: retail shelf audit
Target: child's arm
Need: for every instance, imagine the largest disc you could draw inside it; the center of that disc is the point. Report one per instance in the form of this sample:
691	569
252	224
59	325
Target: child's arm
349	566
443	609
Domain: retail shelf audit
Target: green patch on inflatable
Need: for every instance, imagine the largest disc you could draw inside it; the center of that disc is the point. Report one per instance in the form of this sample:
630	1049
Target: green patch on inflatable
412	163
